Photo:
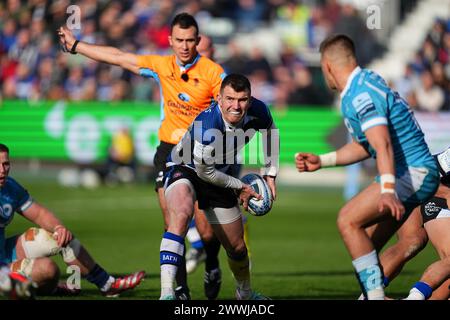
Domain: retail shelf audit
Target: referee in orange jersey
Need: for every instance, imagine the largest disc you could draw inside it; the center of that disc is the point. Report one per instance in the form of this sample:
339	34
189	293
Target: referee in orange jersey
188	81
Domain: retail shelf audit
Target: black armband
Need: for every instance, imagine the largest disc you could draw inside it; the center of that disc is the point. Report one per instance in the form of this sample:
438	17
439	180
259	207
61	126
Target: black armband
74	47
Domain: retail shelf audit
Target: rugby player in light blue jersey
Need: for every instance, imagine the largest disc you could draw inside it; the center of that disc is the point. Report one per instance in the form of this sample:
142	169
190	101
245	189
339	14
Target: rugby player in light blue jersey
382	127
201	168
28	253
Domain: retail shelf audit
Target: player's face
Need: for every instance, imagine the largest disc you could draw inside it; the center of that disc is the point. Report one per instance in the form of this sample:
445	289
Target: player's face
4	167
233	104
327	74
184	43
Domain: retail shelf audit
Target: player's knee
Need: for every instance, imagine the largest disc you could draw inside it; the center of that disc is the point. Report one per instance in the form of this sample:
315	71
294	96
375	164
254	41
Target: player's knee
71	251
343	222
47	268
207	235
39	243
238	251
444	253
46	274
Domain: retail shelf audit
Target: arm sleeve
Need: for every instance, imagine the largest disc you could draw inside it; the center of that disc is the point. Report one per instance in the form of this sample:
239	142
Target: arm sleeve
24	200
205	168
271	147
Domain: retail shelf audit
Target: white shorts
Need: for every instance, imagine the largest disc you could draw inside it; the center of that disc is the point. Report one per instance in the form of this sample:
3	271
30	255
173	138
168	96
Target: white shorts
223	215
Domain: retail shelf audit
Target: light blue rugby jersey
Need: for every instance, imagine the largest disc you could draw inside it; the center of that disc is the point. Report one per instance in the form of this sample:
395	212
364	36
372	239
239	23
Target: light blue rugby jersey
367	101
258	117
13	198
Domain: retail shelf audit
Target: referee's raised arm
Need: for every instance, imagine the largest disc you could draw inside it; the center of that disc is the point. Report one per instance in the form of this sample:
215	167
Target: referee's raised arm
107	54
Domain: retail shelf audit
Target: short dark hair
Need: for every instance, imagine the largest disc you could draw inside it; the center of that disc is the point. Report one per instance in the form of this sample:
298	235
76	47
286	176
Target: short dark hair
4	148
237	81
185	21
340	40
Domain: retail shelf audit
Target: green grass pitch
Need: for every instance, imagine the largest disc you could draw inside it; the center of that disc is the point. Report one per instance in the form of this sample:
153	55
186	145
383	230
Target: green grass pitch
296	251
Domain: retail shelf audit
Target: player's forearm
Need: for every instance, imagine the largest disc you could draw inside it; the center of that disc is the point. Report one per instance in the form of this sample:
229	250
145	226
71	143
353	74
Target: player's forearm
350	153
209	174
271	147
385	158
107	54
43	218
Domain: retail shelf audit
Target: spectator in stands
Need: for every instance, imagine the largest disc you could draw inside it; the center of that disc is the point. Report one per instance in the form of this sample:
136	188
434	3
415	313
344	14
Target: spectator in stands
430	97
351	24
141	26
305	92
406	85
237	61
121	162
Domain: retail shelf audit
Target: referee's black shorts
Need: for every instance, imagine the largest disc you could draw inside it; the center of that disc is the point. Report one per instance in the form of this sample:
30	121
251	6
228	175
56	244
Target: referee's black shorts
159	161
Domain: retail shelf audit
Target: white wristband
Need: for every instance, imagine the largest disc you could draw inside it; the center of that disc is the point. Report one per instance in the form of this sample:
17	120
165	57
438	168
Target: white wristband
328	159
387	182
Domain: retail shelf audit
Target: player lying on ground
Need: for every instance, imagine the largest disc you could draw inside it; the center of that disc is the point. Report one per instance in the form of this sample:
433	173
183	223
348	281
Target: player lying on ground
28	253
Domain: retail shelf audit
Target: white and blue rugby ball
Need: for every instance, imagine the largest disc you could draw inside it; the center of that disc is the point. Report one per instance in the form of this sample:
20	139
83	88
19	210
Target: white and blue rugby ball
263	206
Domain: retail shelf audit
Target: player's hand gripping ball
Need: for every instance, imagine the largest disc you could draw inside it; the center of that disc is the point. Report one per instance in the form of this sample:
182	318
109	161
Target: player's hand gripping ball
263	206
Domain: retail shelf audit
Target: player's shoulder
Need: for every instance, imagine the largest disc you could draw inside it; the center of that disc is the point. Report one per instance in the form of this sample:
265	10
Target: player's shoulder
366	88
12	186
209	66
144	59
12	183
205	61
211	118
258	108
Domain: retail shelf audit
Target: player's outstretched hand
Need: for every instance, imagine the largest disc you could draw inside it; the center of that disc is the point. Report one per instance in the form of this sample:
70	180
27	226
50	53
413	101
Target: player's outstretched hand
66	38
390	202
307	162
62	235
245	194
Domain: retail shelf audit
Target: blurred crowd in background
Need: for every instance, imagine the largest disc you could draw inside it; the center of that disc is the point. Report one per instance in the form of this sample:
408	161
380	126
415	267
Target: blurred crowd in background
425	84
32	65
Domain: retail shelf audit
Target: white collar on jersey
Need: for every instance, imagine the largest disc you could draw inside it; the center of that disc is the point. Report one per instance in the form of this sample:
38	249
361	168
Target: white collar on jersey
349	80
229	126
186	67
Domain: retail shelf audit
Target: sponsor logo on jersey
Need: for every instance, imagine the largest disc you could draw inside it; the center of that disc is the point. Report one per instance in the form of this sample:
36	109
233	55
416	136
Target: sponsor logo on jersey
168	257
431	208
364	106
183	97
6	210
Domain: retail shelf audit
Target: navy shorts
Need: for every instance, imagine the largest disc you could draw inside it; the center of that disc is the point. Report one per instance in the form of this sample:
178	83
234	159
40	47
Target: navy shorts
159	161
208	195
431	208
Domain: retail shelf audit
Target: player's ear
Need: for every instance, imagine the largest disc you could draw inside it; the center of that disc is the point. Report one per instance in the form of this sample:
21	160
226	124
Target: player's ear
198	40
170	40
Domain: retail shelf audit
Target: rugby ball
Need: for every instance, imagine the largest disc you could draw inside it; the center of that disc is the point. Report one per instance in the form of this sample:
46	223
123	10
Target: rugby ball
263	206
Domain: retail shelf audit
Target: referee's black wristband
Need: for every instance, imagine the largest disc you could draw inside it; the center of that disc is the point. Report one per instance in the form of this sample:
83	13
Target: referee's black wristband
74	47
